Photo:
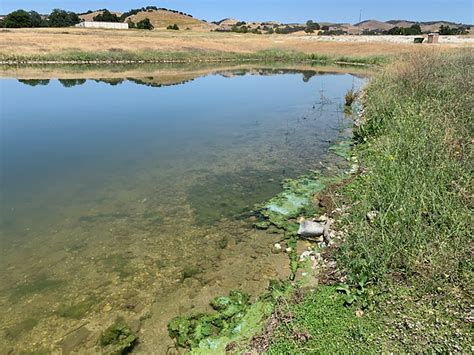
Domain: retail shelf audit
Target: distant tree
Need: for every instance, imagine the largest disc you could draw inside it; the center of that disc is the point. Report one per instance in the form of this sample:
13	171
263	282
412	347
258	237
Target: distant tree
62	18
145	24
131	24
69	83
270	31
240	29
37	20
448	31
106	16
34	82
17	19
312	26
325	28
404	31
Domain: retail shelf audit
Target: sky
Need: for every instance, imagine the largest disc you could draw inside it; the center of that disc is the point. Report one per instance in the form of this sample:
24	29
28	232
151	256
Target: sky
278	10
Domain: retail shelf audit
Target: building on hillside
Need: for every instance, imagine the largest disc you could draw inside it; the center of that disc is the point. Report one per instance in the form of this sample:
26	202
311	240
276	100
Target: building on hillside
97	24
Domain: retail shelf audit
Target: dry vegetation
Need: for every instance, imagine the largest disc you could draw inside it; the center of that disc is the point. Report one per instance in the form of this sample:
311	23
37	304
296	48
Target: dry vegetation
37	42
162	19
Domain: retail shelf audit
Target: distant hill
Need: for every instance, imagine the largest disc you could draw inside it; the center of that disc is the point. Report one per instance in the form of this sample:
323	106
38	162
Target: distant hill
429	26
374	25
163	18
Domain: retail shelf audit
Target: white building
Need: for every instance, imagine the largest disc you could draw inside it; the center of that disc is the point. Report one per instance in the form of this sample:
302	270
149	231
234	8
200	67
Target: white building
97	24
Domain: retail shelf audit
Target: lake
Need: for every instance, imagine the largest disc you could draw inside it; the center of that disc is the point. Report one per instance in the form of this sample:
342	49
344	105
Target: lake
131	196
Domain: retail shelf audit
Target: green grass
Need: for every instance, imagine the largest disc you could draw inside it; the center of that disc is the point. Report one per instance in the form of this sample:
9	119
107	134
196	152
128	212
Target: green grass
333	328
186	57
414	147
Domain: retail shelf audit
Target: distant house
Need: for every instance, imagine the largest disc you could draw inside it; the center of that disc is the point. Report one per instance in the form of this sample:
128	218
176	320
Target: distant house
97	24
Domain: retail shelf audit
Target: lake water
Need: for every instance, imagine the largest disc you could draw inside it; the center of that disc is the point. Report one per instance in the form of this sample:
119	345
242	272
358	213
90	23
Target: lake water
131	198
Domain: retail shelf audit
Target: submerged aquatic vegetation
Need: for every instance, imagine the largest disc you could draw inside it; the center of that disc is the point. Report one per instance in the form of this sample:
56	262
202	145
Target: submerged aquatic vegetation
38	284
189	271
77	310
118	338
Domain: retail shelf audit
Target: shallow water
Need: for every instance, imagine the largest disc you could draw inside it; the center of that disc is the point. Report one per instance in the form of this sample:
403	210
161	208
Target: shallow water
131	198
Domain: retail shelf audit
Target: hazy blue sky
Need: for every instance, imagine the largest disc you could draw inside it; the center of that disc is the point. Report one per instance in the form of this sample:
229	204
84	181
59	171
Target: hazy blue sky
280	10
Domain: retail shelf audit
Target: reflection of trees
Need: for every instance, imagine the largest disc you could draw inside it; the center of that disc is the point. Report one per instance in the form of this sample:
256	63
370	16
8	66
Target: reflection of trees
34	82
69	83
111	81
150	83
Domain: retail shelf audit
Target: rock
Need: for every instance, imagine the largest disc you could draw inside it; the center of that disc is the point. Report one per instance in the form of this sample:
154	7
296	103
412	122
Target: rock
305	255
310	229
372	215
322	218
277	248
288	250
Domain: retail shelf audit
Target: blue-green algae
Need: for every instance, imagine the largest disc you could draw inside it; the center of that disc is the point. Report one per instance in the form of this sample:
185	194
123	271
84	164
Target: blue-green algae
295	199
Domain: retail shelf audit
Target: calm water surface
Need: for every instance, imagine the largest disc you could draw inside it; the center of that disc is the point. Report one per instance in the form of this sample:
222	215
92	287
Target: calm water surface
132	200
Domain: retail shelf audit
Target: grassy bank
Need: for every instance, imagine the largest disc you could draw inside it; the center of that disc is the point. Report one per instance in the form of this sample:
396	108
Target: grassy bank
407	252
191	56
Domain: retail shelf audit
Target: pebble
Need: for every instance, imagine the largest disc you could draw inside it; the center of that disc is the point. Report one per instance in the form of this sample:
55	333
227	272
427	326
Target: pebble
107	308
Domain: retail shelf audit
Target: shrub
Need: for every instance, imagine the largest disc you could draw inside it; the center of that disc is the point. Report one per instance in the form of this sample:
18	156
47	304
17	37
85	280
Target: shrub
173	27
145	24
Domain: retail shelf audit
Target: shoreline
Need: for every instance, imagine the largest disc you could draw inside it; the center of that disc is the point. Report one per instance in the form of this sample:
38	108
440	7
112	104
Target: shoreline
104	58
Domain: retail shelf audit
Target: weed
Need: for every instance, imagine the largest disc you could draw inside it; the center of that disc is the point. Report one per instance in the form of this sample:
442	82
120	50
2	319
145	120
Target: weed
351	96
118	338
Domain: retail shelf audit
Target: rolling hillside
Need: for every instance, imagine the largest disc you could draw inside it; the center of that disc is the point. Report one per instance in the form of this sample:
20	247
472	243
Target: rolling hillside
163	18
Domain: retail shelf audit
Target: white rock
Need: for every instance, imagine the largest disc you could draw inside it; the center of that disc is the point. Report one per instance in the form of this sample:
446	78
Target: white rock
305	255
277	246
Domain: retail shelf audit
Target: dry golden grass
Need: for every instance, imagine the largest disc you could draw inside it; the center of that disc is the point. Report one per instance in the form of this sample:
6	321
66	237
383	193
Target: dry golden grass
52	41
162	19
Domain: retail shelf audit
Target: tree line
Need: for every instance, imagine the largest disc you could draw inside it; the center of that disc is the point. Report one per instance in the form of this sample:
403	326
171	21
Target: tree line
57	18
62	18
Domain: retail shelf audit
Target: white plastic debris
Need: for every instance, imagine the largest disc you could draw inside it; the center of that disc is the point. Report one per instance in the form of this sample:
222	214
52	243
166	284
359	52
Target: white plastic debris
311	229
